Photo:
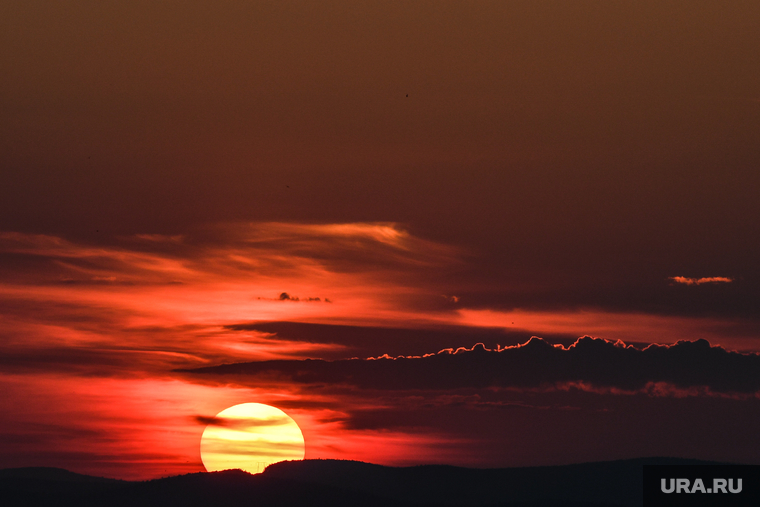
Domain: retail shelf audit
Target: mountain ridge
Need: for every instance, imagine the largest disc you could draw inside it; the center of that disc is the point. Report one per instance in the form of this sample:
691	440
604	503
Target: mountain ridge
344	482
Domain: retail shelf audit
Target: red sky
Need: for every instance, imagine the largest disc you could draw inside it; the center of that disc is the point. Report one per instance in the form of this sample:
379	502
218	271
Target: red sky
415	177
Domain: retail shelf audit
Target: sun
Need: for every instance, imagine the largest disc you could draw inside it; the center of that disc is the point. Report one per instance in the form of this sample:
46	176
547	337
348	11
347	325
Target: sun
250	436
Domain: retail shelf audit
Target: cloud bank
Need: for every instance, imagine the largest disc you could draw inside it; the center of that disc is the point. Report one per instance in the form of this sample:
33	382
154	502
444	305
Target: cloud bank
536	363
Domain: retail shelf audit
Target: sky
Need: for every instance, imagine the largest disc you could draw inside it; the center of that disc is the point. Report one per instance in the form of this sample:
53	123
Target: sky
507	233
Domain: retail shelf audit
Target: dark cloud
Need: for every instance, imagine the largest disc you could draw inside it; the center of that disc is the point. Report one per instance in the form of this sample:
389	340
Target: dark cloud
81	361
589	363
284	296
420	415
206	420
366	341
241	424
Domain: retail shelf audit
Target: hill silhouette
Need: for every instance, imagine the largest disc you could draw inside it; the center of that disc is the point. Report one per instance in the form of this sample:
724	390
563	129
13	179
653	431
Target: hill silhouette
337	483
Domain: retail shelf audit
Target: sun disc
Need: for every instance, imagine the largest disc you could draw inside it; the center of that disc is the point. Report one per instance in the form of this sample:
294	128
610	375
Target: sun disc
250	436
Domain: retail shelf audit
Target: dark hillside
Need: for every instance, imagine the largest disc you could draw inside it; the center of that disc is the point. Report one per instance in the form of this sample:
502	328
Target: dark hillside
604	483
331	483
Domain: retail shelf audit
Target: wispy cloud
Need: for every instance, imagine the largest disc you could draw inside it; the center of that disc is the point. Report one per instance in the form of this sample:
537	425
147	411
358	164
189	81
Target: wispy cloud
157	298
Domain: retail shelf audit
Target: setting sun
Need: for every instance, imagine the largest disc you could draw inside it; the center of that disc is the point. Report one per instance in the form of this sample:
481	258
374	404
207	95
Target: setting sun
250	436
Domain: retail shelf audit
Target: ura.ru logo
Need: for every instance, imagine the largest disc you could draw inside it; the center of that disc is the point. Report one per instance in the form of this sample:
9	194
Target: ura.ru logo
685	486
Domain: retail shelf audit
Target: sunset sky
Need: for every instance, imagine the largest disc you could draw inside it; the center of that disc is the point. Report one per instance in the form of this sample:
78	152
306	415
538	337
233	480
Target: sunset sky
381	186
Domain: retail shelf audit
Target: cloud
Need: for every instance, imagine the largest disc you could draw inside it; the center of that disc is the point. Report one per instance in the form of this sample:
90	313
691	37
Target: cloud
284	296
699	281
364	341
101	327
631	327
276	451
534	364
241	424
131	304
224	251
